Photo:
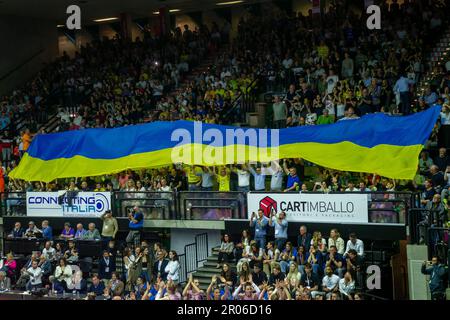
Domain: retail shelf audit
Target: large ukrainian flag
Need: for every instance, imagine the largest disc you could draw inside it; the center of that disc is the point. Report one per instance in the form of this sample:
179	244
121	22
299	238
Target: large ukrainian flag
376	143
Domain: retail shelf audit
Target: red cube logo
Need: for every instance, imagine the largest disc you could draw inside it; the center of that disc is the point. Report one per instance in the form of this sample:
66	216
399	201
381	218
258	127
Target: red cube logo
267	204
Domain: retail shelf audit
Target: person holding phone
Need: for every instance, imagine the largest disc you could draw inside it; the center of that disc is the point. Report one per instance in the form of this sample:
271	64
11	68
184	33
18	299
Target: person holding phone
436	271
135	225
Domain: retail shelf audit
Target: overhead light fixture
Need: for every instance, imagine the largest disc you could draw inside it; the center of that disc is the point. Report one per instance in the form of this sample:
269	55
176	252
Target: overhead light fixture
228	3
106	19
155	12
174	10
60	26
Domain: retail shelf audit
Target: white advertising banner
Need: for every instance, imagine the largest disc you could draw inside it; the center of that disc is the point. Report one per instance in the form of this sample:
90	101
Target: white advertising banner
58	204
308	207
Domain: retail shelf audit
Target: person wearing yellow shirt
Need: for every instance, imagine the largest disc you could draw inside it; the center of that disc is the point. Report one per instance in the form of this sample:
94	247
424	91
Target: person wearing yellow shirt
26	140
323	50
223	179
194	180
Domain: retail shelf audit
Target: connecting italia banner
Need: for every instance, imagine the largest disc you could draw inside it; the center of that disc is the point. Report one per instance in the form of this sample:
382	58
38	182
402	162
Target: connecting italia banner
376	143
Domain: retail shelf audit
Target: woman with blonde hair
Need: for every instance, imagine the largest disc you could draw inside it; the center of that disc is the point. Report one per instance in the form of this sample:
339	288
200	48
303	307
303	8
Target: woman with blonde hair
319	242
293	277
336	240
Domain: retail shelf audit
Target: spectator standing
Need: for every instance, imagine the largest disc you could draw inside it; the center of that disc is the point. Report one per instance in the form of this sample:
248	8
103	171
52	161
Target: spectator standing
110	227
280	224
159	269
136	225
401	88
304	238
436	271
293	181
259	223
280	112
106	266
173	268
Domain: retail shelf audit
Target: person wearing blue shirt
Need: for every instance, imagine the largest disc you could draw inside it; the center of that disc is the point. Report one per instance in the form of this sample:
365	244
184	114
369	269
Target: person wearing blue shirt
293	181
401	87
47	232
259	177
136	225
97	287
207	179
437	272
335	261
81	232
260	223
430	97
280	224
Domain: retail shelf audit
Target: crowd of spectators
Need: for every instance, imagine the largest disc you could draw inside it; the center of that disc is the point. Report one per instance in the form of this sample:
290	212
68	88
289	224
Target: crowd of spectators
312	268
336	71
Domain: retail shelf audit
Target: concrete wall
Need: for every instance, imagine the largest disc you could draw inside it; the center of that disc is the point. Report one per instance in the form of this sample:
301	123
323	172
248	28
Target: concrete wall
418	283
21	39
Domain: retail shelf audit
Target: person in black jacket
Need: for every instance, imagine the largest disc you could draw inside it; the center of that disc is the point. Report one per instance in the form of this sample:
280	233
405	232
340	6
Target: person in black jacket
106	266
258	276
17	232
159	268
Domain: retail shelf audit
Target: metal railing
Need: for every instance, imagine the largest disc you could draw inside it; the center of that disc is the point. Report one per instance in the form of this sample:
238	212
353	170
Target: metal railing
383	207
212	205
154	204
194	254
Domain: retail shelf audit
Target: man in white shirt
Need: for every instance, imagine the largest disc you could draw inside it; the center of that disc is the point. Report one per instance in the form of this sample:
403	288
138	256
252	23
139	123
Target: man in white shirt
243	179
330	282
355	244
35	273
351	187
332	80
49	251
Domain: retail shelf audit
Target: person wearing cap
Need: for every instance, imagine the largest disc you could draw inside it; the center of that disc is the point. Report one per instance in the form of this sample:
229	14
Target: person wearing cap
67	232
136	225
110	228
32	231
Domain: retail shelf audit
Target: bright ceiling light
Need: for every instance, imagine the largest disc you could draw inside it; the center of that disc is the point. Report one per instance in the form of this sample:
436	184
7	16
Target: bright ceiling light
228	3
174	10
106	19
